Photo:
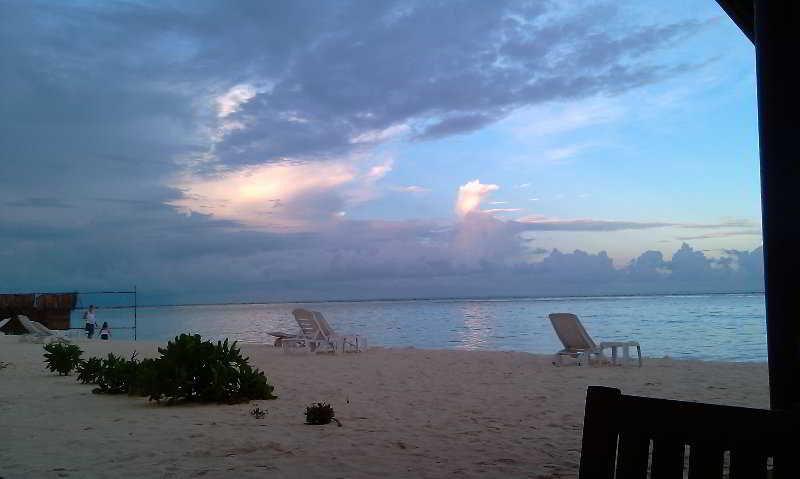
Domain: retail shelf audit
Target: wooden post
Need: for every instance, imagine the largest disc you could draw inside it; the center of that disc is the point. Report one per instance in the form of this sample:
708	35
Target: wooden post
777	28
135	304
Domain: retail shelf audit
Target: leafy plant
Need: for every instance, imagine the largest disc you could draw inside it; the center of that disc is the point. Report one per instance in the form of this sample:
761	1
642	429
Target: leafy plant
191	369
188	369
117	375
319	413
258	413
62	358
89	370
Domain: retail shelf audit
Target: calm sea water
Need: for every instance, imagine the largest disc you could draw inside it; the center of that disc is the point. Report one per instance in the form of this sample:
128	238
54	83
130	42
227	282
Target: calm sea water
719	326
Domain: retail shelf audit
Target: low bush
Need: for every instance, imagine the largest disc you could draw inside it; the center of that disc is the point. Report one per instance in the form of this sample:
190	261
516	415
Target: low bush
319	413
116	375
191	369
188	369
62	358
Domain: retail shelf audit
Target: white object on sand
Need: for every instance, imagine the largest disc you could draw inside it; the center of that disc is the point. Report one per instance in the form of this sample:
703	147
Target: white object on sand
317	335
578	344
352	343
39	332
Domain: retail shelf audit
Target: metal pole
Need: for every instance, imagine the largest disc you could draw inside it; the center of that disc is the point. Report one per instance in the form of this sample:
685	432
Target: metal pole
135	303
777	28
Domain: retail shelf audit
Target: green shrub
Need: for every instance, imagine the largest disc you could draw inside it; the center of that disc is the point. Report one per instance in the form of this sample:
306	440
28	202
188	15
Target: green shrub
191	369
116	375
62	358
319	413
188	369
89	370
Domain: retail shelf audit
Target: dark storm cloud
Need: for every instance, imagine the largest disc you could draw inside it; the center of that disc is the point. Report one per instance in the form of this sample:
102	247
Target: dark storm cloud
107	96
441	67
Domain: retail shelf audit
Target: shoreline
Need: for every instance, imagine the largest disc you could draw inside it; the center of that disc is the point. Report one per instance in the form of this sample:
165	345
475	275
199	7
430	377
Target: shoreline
406	412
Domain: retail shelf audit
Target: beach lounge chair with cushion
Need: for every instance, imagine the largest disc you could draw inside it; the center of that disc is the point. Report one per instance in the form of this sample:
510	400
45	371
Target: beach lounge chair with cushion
579	345
347	343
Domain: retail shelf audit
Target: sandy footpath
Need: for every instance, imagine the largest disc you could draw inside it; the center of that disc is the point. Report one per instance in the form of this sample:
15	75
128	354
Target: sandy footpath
405	413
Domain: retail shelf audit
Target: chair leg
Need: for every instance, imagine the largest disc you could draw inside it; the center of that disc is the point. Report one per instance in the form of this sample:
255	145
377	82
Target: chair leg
639	353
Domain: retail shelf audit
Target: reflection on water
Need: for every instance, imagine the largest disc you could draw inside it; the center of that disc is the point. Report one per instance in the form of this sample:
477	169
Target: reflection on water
476	328
724	327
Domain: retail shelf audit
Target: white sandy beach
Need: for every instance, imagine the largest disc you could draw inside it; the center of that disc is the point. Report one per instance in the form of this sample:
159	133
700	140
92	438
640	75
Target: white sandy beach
404	413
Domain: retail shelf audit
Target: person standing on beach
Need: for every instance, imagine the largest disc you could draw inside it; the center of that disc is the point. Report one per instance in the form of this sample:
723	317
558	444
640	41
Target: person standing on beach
91	323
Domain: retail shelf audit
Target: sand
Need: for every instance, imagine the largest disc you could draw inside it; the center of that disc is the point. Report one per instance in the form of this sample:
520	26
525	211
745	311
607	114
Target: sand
404	413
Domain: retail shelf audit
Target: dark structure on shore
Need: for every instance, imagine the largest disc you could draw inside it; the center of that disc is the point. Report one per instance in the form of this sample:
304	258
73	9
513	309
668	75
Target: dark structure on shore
51	309
774	28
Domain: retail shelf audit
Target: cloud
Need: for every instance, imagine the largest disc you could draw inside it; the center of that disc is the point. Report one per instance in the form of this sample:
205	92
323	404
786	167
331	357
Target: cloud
470	196
720	234
214	147
502	210
411	189
230	101
38	203
538	223
557	155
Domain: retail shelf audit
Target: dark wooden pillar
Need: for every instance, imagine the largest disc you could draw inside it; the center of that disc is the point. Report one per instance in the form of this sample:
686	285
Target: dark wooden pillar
777	41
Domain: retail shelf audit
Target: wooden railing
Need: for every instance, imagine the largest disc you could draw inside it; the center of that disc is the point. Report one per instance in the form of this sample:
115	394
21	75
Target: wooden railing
633	437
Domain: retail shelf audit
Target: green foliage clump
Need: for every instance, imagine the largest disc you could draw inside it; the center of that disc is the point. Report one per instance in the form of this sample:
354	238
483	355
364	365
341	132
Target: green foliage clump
62	358
116	375
319	413
188	369
191	369
89	370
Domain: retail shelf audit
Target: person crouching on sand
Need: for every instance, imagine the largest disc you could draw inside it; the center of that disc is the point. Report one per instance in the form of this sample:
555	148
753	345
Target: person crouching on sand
91	324
105	331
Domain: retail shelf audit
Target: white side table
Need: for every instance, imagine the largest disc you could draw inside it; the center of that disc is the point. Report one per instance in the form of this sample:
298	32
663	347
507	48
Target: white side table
626	354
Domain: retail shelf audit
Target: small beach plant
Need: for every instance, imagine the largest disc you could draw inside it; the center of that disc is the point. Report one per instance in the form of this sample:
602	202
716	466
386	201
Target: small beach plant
62	358
258	413
319	413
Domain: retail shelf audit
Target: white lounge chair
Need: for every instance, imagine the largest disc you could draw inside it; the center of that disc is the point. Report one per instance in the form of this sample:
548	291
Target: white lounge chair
350	343
317	335
38	332
579	345
310	337
3	323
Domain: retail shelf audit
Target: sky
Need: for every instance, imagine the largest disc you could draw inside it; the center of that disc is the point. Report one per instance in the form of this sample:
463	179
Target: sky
246	151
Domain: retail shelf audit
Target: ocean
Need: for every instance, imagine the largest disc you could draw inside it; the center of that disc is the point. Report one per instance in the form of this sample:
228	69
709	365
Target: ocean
727	327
